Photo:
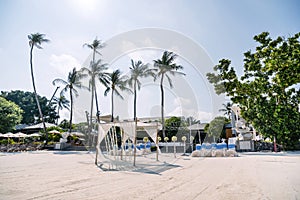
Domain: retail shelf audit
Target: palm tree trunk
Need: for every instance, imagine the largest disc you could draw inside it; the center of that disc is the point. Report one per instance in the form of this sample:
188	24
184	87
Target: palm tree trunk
71	112
35	94
92	104
97	107
112	105
96	98
134	101
57	115
162	106
135	121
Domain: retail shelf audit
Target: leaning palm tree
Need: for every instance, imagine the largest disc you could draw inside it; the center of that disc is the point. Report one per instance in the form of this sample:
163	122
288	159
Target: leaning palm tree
117	83
137	70
61	103
70	85
95	46
96	71
35	40
165	67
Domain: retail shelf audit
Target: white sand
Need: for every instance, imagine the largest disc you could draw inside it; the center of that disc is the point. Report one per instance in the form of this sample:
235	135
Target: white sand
73	175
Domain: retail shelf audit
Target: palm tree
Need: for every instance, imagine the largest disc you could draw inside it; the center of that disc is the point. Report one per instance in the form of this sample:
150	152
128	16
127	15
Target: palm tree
61	103
70	85
137	70
164	67
96	71
35	40
95	46
116	82
226	109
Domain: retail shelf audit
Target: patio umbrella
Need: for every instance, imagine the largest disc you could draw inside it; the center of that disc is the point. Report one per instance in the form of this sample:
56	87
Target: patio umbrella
77	134
34	135
21	135
54	131
9	135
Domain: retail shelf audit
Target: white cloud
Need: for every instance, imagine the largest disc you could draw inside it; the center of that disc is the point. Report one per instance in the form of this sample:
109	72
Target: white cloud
180	101
201	115
64	63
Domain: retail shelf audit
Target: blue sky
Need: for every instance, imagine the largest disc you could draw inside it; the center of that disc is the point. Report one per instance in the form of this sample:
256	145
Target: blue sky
224	29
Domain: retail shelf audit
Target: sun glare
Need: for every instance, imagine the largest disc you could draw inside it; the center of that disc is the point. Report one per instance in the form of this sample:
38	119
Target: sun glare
87	8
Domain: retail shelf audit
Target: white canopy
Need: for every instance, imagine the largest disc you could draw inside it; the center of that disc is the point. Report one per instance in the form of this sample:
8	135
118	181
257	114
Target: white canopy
129	129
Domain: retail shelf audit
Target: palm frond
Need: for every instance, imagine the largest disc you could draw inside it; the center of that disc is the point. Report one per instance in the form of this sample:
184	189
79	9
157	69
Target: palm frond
107	91
59	81
118	94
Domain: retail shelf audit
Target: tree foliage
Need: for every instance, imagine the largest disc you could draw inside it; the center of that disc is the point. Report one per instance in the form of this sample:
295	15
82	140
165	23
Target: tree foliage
71	85
164	67
268	91
10	115
173	124
216	127
117	83
26	101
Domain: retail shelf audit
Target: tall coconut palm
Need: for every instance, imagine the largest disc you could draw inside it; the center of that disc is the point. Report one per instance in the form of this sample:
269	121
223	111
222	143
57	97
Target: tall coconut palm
71	84
96	71
95	46
137	70
35	40
61	103
117	83
164	68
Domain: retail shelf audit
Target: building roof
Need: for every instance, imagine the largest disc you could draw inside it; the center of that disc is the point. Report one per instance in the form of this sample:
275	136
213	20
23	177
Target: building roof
40	126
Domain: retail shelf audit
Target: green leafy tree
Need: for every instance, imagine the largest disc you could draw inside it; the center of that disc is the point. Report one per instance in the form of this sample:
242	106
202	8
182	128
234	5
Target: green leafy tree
61	102
173	125
26	101
65	124
216	127
96	71
71	84
35	40
268	91
165	67
117	83
10	115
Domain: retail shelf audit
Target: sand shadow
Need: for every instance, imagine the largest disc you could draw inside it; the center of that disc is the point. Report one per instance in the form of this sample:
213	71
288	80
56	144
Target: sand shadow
155	168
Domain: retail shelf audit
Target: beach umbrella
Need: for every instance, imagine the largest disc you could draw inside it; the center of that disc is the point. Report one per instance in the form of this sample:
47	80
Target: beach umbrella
9	135
54	131
34	135
77	134
21	135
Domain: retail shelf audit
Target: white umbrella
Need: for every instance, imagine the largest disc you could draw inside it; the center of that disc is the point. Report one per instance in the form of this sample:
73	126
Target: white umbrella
9	134
77	134
34	135
20	134
54	131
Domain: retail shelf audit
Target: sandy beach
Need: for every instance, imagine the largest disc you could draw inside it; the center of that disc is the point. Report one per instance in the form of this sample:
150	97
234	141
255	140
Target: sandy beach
73	175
